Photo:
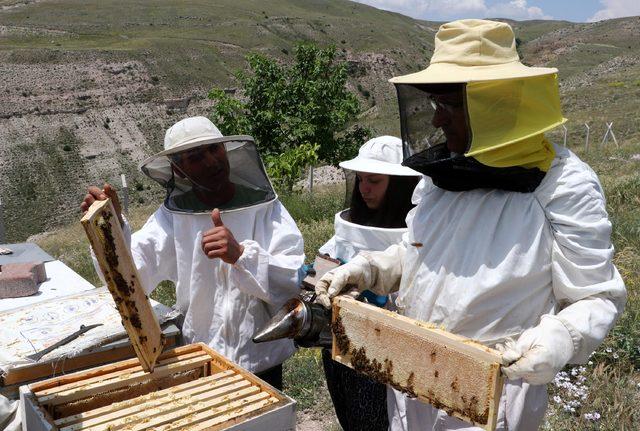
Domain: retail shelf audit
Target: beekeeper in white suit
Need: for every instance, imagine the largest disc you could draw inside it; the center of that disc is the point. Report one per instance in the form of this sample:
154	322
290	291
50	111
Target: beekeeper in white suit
223	237
379	193
516	250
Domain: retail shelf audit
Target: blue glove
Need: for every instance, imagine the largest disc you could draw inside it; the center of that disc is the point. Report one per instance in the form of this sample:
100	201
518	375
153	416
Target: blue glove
372	298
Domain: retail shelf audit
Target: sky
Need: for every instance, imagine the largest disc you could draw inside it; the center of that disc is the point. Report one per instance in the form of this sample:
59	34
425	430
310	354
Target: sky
568	10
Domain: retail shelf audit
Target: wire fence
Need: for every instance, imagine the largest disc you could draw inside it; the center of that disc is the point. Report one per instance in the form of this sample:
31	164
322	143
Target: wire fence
592	139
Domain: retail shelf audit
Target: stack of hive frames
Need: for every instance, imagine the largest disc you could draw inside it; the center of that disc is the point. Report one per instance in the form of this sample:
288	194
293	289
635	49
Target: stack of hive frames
448	371
191	388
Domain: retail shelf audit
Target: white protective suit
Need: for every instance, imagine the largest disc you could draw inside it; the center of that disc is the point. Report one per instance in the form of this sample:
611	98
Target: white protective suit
224	305
350	238
10	411
494	262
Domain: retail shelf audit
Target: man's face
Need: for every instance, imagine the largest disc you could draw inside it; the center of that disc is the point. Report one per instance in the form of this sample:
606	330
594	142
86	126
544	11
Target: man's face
450	116
207	166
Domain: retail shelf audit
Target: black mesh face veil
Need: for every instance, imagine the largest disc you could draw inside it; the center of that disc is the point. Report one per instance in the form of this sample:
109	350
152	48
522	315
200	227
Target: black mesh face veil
227	174
350	183
422	108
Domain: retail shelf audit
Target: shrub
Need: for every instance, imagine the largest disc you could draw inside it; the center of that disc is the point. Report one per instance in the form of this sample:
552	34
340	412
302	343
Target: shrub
288	106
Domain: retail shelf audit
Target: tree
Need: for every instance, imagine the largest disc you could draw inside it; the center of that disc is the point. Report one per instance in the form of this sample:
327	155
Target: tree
297	114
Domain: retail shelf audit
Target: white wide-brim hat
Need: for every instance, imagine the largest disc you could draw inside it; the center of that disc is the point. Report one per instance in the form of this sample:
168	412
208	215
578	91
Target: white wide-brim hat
471	50
381	155
187	134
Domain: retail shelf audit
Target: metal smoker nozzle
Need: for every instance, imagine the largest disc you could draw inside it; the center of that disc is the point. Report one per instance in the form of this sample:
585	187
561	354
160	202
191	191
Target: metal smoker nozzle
308	324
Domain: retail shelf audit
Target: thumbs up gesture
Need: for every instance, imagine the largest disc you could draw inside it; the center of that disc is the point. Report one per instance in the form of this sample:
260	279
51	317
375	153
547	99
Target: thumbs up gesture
219	242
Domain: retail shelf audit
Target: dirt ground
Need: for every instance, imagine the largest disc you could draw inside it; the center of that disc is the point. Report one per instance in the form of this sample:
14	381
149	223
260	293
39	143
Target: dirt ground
308	421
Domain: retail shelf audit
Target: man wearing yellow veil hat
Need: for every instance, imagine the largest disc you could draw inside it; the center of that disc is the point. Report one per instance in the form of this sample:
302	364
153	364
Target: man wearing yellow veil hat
509	242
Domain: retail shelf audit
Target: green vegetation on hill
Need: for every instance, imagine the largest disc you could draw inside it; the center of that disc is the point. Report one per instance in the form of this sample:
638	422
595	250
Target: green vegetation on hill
184	48
198	42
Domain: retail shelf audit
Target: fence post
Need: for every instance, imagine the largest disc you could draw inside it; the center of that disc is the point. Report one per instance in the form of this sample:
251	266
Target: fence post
125	195
613	135
311	179
606	134
565	134
586	142
2	233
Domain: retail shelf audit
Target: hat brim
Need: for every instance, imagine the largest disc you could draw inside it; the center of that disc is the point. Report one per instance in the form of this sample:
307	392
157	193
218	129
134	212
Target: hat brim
198	142
449	73
378	167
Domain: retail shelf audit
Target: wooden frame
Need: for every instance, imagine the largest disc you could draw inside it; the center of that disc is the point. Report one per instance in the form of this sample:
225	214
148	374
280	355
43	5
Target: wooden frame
448	371
115	351
191	388
107	240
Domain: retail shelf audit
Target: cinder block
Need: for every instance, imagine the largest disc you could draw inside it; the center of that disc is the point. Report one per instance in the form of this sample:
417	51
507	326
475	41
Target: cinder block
21	279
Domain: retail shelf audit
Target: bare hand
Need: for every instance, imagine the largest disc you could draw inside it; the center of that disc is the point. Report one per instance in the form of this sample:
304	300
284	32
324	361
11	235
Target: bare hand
219	242
95	194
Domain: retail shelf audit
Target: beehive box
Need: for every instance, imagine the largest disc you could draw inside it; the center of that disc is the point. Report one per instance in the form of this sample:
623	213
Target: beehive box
450	372
191	388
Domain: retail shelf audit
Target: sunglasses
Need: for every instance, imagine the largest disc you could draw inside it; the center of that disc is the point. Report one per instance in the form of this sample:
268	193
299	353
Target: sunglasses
447	106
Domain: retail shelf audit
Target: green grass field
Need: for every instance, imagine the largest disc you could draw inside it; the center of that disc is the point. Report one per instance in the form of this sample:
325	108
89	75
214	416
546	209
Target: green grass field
601	395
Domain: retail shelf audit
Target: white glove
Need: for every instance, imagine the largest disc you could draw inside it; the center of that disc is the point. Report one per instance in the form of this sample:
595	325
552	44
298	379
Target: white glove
539	353
354	277
377	271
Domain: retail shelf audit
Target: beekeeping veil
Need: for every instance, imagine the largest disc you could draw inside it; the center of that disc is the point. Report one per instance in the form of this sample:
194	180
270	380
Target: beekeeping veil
476	78
202	170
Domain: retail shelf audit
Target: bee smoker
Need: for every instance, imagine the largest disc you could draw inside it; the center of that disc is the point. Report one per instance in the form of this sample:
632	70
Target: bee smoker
307	323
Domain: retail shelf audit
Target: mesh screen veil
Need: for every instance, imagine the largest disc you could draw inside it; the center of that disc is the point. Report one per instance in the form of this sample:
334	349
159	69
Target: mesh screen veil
416	113
246	171
503	113
507	119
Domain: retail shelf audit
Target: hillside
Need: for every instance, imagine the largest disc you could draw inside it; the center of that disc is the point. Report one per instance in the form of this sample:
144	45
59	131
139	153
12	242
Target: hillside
88	87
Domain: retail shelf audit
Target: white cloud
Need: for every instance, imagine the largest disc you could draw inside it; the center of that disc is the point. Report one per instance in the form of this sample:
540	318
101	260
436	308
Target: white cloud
616	9
516	9
440	10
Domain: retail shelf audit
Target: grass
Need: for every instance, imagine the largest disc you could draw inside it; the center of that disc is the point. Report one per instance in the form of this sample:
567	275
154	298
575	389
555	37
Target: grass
207	41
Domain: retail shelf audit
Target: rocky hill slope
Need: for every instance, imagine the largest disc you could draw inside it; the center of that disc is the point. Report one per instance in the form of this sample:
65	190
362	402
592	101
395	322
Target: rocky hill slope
88	87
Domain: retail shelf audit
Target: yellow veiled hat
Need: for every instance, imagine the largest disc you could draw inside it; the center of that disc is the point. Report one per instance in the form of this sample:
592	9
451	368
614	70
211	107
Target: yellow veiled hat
470	50
507	102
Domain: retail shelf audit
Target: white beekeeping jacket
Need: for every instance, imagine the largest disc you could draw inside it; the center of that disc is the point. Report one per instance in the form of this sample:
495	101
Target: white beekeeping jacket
223	305
493	262
351	238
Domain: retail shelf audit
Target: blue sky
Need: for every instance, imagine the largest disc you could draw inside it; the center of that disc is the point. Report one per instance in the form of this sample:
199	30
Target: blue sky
569	10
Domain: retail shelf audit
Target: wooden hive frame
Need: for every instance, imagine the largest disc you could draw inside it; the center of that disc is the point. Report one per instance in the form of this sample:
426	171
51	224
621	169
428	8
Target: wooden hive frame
448	371
192	388
107	240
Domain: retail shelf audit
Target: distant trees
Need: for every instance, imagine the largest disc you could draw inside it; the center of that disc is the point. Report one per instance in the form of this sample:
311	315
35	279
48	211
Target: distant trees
298	113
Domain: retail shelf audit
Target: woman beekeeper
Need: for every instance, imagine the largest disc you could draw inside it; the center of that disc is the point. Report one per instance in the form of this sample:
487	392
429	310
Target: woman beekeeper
515	239
380	199
223	237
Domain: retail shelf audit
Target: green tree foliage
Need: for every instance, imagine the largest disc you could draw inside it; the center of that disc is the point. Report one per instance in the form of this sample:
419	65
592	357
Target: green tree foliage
298	113
287	167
